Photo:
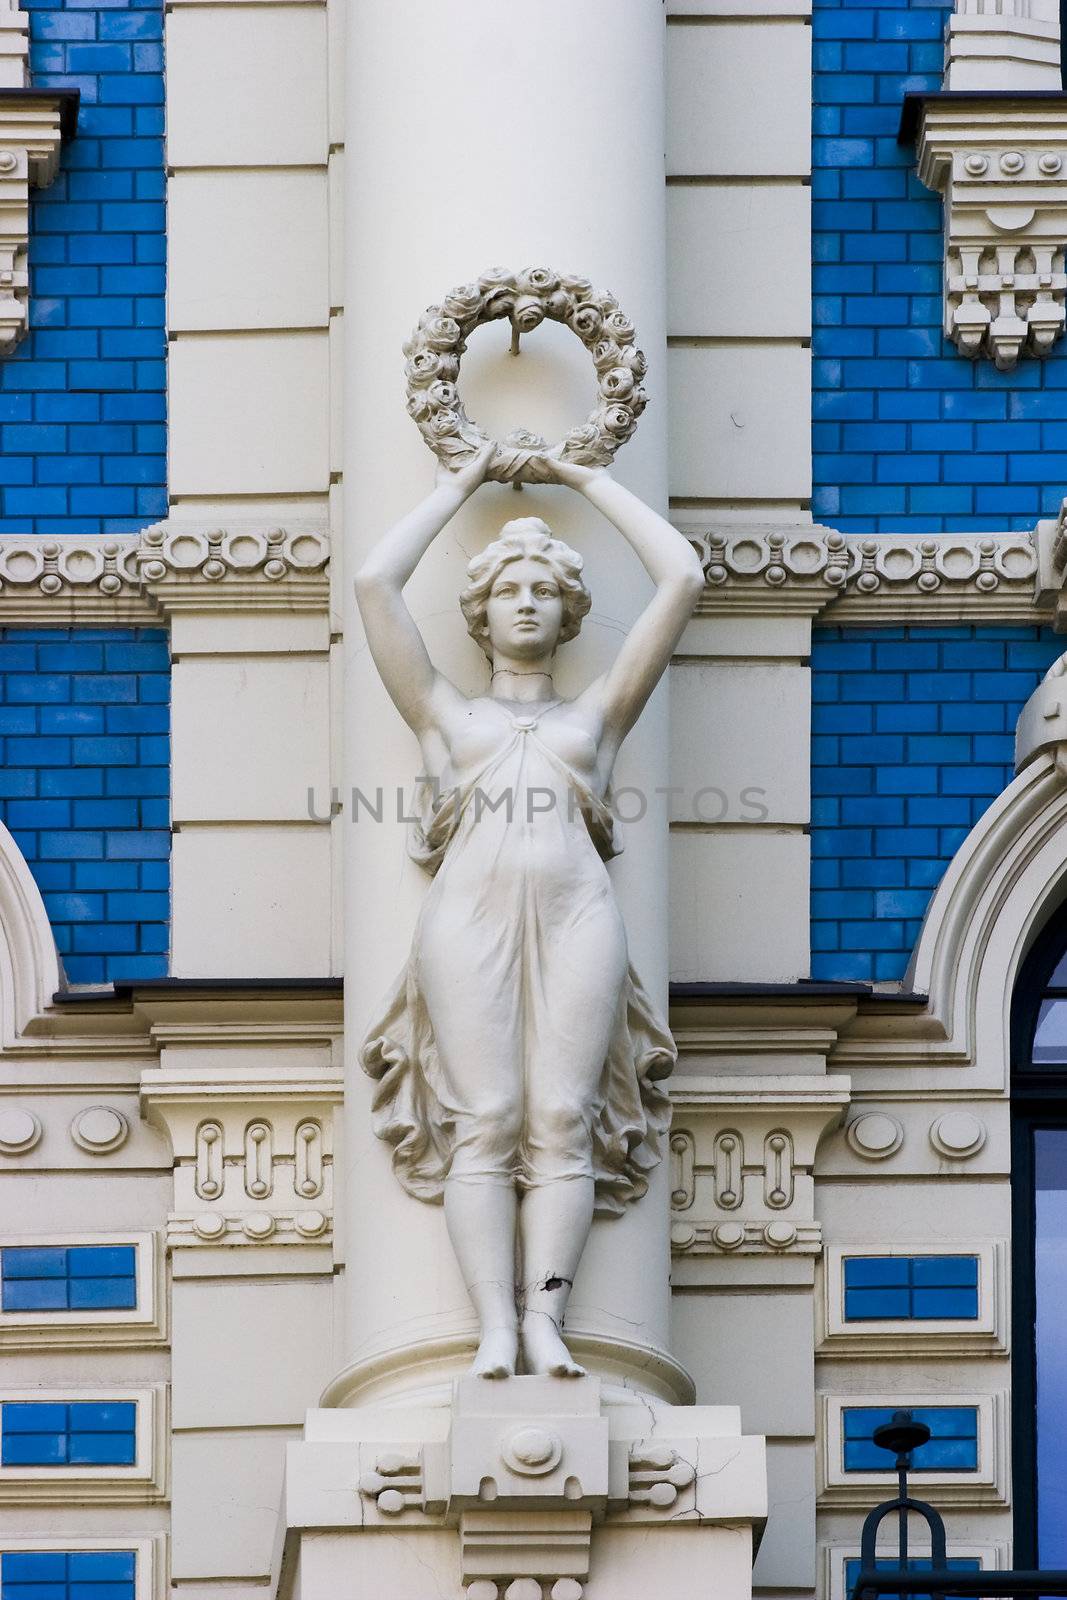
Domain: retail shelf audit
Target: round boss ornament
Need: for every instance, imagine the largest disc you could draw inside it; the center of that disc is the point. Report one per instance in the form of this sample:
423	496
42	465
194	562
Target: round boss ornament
525	298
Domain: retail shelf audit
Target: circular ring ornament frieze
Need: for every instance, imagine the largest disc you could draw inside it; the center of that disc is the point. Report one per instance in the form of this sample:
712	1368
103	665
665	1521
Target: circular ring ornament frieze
99	1130
525	299
20	1130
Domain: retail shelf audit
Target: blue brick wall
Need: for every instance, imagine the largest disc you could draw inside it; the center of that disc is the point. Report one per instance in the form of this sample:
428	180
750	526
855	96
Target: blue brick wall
83	400
912	738
907	433
84	789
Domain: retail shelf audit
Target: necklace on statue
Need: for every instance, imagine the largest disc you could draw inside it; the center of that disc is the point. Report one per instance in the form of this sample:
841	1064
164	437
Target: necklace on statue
507	672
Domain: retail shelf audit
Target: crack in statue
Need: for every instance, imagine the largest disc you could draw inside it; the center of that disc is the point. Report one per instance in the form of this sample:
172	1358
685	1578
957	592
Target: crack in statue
518	1059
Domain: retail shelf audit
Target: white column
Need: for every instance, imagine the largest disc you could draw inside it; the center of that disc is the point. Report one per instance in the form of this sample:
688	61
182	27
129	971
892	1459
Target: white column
480	135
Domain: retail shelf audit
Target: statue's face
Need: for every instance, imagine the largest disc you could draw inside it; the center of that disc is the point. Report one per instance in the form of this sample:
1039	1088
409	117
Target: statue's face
524	611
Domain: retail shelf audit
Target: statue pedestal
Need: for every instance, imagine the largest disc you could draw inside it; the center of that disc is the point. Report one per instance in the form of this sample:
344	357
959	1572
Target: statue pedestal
522	1489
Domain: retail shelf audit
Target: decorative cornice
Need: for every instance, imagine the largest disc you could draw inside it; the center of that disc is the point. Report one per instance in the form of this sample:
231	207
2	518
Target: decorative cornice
169	566
759	569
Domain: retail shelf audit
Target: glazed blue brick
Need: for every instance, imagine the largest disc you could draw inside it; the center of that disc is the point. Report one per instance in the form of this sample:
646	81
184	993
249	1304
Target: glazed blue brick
91	833
950	697
872	213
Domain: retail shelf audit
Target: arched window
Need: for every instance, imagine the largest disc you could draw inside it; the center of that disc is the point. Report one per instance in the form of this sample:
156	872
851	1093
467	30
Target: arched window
1039	1176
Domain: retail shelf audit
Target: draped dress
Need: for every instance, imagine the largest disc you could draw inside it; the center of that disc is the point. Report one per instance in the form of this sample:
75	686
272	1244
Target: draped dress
519	942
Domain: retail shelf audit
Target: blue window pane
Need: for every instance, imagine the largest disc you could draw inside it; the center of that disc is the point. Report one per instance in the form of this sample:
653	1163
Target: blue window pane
81	1278
34	1591
952	1447
23	1262
33	1417
68	1575
34	1294
101	1261
34	1450
84	1433
101	1450
872	1305
945	1272
911	1288
107	1416
103	1566
33	1566
875	1272
958	1305
102	1294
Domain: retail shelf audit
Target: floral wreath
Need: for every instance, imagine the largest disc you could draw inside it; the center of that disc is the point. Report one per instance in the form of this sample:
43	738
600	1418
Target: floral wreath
526	298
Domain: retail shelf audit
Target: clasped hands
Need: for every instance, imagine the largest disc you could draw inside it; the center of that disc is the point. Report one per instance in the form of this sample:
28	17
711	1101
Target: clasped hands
545	467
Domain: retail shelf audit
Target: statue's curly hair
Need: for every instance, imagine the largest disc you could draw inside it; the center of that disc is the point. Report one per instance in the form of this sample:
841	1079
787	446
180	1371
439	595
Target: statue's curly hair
525	537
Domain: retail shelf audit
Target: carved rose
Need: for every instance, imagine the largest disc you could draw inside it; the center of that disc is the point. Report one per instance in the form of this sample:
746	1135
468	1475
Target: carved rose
448	367
442	423
617	383
586	322
580	288
463	302
423	368
619	326
442	333
635	360
538	280
618	419
523	439
606	354
495	279
558	305
418	405
498	305
444	394
528	313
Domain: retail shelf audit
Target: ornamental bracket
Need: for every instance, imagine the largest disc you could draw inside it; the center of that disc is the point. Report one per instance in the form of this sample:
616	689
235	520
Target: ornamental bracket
999	159
33	125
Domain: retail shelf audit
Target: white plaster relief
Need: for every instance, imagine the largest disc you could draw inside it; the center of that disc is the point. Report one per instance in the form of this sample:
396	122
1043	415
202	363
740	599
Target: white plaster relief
1003	44
742	1153
1001	167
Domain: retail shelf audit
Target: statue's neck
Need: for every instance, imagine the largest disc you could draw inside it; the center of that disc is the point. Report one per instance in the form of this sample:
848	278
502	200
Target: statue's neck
527	685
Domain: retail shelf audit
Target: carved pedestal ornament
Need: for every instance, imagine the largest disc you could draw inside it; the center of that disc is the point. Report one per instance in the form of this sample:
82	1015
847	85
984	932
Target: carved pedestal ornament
518	1059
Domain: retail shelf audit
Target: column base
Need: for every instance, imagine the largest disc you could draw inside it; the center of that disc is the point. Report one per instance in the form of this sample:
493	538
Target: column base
522	1489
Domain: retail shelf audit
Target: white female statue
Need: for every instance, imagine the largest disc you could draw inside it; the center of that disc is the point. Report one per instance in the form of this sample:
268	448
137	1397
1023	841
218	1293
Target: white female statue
517	1058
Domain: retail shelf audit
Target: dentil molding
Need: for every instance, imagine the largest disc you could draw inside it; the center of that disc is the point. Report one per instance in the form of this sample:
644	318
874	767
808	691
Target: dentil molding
1000	162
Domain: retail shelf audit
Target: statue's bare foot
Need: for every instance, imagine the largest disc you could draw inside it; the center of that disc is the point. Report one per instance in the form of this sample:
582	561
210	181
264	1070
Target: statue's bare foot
497	1354
543	1350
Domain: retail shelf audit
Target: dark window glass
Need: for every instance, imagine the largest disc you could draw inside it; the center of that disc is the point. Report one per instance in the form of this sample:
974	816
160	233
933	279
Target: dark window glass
67	1575
912	1288
1050	1340
81	1278
952	1446
36	1433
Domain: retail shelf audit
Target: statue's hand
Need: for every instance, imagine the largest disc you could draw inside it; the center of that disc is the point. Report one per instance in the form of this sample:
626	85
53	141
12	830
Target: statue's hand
467	477
552	469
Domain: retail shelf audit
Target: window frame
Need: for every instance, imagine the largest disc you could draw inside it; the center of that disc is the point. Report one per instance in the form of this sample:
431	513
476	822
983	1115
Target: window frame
984	1335
1038	1101
141	1483
151	1577
985	1486
142	1325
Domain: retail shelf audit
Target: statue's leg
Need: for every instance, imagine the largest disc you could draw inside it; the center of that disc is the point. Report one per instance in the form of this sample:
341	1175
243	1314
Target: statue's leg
480	1213
568	1038
479	1046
